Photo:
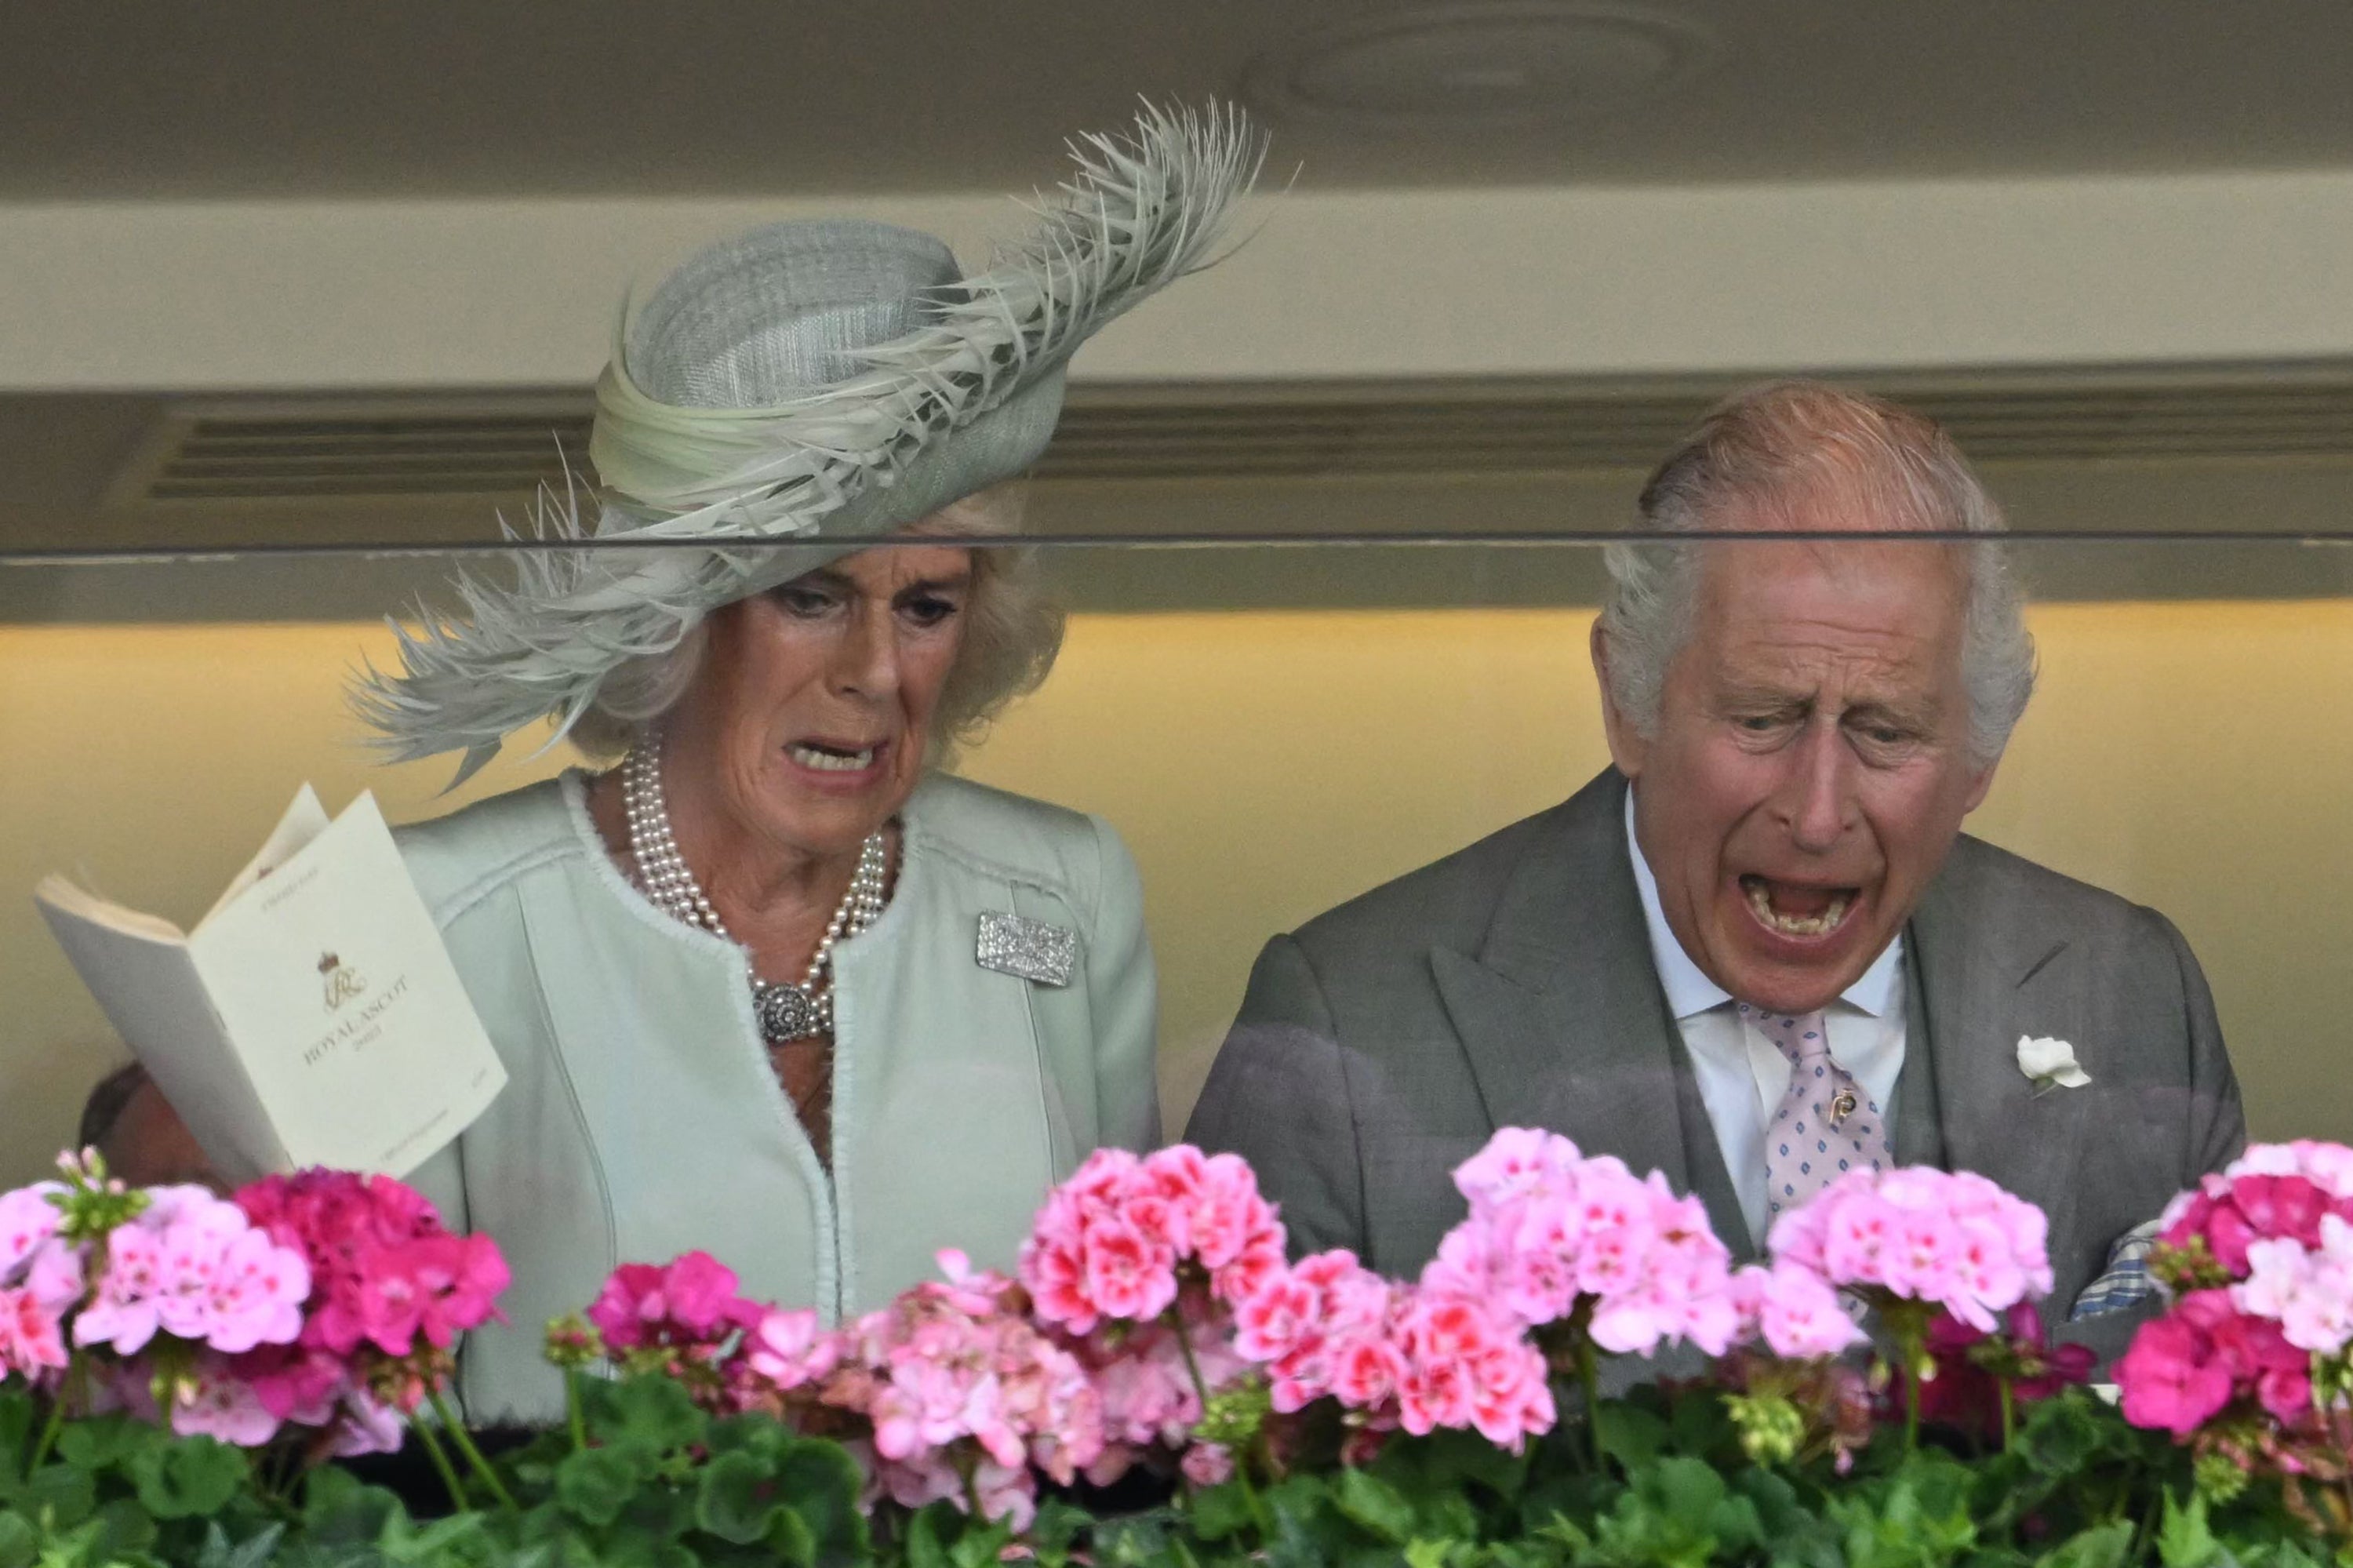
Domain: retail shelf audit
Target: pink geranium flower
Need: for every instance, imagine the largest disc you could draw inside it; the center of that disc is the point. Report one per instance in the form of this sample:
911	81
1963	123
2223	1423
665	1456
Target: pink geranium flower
28	1219
2174	1377
1949	1239
1550	1229
1797	1312
2262	1253
32	1335
1125	1233
950	1378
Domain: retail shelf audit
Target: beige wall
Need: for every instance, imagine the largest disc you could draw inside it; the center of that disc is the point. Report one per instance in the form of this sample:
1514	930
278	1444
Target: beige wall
2194	755
1567	280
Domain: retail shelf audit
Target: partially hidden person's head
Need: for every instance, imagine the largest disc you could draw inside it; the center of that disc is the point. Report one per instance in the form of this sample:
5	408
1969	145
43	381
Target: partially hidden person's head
797	432
1808	721
141	1139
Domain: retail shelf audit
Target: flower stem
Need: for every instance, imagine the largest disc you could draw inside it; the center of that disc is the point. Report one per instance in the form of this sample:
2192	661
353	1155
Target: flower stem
1185	1343
1589	1378
2008	1412
434	1451
50	1430
968	1467
465	1441
573	1415
1250	1496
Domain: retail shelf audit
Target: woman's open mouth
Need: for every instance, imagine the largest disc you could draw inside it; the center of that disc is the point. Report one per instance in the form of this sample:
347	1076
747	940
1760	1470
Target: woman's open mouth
820	757
1793	909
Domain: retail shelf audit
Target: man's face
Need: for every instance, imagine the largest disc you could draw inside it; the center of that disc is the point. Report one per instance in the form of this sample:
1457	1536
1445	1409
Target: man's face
1810	767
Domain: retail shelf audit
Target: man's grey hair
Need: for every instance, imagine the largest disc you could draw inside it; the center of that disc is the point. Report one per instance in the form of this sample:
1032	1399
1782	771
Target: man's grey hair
1765	457
1012	631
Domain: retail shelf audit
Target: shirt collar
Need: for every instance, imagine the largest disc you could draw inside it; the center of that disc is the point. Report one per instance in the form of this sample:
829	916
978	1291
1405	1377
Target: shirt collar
1689	991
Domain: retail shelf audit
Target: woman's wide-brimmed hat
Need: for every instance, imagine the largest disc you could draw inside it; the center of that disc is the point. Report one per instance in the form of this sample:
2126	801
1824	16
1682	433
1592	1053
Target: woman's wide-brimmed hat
818	383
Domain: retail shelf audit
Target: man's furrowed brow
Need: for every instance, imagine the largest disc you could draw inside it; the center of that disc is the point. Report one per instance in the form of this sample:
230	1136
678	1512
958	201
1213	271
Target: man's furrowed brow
1754	695
1918	712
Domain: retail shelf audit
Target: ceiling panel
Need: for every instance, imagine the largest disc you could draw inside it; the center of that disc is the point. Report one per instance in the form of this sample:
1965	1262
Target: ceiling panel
109	99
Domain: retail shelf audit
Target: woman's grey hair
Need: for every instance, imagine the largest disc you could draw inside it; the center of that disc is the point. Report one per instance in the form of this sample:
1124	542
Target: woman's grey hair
1012	631
1767	453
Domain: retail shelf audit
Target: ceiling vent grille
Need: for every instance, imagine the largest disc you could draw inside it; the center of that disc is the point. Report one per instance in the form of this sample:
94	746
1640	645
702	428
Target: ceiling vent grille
347	453
394	448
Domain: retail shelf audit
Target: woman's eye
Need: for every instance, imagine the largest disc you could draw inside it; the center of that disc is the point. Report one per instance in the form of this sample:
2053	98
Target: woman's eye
803	602
1759	724
929	610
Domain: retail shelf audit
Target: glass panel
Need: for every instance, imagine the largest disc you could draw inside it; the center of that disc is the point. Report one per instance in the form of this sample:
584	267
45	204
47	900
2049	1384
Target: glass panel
1274	726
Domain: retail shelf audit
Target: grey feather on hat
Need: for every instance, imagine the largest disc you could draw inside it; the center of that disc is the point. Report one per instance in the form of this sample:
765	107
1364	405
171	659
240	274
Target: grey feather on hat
824	381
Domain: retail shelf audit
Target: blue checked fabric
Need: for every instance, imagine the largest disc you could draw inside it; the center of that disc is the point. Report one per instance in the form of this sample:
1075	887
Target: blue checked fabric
2126	1282
1825	1125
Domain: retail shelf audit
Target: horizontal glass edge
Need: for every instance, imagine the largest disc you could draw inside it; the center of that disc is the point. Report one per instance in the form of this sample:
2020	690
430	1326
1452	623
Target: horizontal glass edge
1420	539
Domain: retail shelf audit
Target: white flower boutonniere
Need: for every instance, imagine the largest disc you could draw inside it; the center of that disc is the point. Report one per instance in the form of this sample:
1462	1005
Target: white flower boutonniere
2051	1064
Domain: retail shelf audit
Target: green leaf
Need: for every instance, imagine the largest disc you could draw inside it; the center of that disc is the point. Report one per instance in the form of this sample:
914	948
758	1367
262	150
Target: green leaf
1220	1512
1135	1540
18	1420
2061	1437
339	1508
105	1440
2102	1546
1376	1506
655	1414
2183	1540
192	1478
789	1538
596	1484
982	1545
737	1497
1442	1462
924	1549
65	1495
1701	1427
823	1483
405	1543
1632	1437
19	1543
253	1552
127	1529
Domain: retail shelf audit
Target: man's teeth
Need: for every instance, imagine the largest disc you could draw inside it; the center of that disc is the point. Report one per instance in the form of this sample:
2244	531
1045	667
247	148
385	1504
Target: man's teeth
831	761
1760	899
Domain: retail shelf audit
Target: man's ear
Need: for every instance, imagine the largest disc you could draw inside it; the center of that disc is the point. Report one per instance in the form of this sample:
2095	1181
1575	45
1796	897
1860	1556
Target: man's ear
1978	787
1627	748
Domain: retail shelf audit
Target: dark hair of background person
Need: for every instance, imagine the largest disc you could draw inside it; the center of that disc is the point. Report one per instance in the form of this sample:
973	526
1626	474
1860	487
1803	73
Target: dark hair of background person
104	1107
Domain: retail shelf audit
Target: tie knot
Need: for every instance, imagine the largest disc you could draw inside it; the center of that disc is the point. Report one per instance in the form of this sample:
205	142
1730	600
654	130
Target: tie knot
1803	1037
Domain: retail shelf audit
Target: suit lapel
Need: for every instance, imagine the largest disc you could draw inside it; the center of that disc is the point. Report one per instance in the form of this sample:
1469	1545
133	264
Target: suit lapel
1561	1015
1984	980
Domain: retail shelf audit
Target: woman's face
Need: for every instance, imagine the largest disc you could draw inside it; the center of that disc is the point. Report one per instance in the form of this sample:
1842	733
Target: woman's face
815	700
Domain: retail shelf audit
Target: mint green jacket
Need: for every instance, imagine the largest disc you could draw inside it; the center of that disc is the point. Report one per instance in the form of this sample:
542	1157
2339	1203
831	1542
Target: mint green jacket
640	1120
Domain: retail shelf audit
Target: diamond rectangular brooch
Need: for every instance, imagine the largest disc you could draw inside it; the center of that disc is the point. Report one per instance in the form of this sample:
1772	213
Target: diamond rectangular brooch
1030	950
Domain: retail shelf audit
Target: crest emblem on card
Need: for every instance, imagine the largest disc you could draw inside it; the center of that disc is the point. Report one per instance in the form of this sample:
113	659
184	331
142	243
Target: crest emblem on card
1027	949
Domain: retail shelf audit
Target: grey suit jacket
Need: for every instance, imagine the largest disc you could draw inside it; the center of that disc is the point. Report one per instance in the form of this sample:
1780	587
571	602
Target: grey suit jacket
1511	985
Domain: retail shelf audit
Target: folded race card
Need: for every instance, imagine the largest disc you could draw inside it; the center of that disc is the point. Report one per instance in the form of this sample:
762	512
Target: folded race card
313	1017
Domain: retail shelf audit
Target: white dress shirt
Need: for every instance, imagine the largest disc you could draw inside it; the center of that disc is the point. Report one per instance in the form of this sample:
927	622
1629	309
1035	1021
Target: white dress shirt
1742	1074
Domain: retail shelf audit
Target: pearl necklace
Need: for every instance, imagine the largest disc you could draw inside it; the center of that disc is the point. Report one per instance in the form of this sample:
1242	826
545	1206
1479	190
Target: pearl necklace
787	1012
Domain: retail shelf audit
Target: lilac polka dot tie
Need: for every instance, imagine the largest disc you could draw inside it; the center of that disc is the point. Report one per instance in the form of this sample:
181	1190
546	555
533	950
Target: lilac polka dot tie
1825	1125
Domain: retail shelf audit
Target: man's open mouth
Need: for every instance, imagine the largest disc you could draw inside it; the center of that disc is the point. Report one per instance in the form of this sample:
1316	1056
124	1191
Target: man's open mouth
1794	909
